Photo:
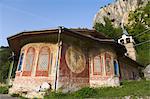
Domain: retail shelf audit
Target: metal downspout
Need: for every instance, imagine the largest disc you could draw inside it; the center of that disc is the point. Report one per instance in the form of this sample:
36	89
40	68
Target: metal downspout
59	42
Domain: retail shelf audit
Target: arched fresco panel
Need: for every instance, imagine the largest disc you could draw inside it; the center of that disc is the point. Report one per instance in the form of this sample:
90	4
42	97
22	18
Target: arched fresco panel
75	59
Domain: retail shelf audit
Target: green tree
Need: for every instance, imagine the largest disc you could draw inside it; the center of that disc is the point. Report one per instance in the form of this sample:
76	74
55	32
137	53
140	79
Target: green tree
108	29
138	27
139	22
140	15
4	63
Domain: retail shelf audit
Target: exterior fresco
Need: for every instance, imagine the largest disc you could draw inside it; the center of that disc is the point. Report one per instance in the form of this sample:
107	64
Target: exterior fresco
106	76
74	71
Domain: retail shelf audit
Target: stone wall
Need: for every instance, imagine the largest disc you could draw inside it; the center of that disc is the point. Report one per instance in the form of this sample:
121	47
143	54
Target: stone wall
128	70
29	84
131	51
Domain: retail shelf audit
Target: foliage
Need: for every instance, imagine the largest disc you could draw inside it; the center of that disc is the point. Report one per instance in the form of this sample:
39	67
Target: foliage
128	88
140	15
19	96
4	63
5	53
56	95
3	89
85	92
15	95
108	29
139	23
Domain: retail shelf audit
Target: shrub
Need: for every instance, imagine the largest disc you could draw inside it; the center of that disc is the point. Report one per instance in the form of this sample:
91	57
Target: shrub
3	89
15	95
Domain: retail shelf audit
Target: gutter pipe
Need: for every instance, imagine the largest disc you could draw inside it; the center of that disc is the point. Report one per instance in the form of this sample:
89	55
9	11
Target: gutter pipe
59	42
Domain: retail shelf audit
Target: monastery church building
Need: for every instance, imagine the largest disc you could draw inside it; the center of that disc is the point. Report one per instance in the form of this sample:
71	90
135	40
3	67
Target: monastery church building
70	59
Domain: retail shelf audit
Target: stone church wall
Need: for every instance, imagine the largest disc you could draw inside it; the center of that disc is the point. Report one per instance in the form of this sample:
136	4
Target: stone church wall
128	71
105	77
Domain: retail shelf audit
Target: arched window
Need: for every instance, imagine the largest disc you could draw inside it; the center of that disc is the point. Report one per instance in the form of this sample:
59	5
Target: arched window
97	68
29	61
20	61
116	68
43	62
108	63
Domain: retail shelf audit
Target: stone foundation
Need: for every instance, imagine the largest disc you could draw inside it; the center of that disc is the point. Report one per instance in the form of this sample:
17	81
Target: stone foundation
28	84
104	81
73	84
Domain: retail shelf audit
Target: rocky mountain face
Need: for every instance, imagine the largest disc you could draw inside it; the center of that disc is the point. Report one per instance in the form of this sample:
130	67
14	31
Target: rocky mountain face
118	11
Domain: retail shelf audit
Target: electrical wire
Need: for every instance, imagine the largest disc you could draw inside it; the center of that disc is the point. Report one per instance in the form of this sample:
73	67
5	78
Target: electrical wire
142	43
141	33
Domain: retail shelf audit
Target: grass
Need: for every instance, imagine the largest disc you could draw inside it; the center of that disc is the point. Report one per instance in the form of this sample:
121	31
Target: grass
3	89
19	96
128	88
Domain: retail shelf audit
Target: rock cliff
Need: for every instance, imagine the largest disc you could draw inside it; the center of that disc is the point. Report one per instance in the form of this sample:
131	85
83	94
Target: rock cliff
118	11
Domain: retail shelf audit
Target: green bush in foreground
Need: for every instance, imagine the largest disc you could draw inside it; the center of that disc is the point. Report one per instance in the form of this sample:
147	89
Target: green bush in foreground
128	88
3	89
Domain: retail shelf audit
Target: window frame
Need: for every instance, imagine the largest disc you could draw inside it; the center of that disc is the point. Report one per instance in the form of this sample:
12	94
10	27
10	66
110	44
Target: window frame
21	58
116	68
40	72
28	72
100	72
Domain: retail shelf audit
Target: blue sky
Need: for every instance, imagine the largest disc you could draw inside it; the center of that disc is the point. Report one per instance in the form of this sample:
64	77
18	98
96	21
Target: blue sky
23	15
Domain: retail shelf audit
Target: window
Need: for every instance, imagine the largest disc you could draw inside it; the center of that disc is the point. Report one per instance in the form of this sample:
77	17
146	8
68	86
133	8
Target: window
122	41
43	62
43	59
20	61
30	59
29	62
97	65
108	63
116	68
128	40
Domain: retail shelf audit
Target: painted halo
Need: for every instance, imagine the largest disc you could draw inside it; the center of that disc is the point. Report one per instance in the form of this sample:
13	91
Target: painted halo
75	59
